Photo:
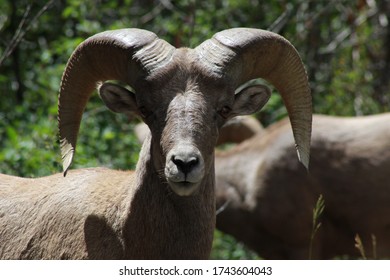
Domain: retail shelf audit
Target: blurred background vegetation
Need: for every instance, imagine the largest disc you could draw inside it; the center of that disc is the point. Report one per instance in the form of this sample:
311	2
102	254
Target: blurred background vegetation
345	45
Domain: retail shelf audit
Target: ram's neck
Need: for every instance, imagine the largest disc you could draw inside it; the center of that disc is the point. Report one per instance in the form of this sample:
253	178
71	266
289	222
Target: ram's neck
163	225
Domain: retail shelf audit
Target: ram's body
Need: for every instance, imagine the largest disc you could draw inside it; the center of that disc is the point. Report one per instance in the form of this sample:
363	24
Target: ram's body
271	198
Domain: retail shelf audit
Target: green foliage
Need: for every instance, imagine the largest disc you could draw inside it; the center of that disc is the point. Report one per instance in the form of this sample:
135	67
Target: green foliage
31	155
225	247
317	213
342	43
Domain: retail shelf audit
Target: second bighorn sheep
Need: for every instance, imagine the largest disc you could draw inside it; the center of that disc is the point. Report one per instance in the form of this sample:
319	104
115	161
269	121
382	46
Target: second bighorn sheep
267	199
166	208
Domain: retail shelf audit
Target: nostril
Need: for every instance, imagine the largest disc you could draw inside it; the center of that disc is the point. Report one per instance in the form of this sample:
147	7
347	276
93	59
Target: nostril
185	165
192	162
177	161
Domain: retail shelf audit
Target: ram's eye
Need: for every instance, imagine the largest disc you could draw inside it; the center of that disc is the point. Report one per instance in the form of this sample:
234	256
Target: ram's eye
143	112
225	111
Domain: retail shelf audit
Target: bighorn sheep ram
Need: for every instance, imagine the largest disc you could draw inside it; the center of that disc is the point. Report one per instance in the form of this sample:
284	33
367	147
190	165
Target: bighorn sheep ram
267	199
166	208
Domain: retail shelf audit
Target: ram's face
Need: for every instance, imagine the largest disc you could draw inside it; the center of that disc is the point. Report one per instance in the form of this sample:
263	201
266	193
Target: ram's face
184	129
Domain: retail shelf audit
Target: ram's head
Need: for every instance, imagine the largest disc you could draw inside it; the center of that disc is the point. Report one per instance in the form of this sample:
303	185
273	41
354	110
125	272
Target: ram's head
184	95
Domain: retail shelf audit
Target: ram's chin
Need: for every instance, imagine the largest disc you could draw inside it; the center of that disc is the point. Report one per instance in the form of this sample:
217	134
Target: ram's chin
184	188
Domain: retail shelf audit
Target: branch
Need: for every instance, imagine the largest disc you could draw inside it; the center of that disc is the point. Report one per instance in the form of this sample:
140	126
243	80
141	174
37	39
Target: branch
282	20
330	48
22	29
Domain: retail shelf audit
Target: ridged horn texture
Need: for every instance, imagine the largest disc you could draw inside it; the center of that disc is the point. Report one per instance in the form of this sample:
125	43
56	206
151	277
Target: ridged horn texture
243	54
125	55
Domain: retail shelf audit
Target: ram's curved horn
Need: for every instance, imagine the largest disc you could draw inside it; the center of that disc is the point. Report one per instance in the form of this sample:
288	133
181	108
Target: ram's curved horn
125	55
243	54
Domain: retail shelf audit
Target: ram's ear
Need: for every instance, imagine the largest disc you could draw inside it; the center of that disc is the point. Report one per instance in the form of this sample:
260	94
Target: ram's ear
250	100
118	99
